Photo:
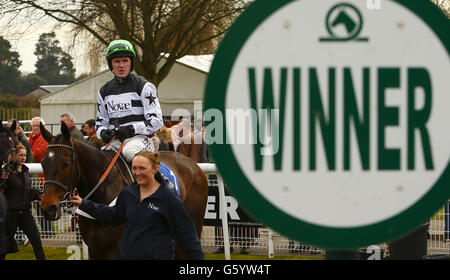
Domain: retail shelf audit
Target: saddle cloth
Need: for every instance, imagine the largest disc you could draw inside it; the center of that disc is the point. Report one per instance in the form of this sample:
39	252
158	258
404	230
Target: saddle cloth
170	178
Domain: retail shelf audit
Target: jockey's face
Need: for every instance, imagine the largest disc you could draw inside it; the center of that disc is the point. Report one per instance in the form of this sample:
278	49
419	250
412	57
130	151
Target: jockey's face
121	66
143	171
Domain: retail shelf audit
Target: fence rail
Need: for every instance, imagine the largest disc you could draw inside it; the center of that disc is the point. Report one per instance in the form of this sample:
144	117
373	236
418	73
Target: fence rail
242	239
15	113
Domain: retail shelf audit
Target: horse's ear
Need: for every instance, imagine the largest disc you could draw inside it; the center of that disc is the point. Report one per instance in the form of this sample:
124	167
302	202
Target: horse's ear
65	131
13	126
45	133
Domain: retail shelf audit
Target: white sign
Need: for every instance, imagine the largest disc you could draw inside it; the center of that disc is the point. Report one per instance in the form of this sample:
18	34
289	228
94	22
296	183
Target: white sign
345	113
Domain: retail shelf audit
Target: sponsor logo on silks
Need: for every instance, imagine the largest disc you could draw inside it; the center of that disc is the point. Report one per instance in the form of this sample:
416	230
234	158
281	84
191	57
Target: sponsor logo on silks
343	22
170	178
118	107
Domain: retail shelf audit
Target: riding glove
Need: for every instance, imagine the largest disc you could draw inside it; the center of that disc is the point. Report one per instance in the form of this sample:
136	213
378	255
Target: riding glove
125	132
107	135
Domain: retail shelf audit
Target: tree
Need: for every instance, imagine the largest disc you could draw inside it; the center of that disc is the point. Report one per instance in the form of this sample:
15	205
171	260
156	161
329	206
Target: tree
53	64
9	68
162	31
9	101
444	5
30	82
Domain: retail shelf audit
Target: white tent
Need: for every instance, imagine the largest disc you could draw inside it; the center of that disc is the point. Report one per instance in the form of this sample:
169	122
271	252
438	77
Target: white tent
182	87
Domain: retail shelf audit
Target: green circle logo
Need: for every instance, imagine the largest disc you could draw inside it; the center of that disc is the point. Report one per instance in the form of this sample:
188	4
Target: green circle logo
346	16
334	134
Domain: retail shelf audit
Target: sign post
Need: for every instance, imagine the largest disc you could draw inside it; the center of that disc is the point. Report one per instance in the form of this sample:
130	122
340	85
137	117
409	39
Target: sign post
329	120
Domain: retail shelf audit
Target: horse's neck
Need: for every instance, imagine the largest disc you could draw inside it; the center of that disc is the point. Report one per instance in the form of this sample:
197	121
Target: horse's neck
92	163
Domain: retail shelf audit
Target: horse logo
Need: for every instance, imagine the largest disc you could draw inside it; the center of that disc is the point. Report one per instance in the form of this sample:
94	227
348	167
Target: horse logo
343	22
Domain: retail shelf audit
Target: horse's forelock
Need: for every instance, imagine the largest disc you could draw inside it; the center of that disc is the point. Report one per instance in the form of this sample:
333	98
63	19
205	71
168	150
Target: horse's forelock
59	139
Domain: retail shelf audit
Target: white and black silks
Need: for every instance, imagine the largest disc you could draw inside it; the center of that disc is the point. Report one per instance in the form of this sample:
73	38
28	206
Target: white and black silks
130	101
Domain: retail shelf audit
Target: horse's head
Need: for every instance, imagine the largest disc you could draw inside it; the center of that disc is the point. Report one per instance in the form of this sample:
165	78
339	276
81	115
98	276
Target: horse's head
60	171
8	143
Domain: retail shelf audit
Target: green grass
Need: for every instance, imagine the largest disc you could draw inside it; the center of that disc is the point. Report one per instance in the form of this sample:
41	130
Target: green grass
57	253
51	253
258	257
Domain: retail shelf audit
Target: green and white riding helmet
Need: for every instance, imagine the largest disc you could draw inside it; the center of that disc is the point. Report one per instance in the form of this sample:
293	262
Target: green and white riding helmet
120	48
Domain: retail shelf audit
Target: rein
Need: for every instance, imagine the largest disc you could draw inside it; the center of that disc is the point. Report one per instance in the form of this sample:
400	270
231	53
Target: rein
106	172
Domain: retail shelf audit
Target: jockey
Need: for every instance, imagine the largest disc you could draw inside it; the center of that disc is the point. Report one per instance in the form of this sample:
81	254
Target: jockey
128	106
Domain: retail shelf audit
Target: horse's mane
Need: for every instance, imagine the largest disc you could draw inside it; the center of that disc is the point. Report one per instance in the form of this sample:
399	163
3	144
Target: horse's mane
84	144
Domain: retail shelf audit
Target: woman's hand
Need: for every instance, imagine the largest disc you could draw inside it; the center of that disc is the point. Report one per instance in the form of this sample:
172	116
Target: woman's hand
4	175
76	200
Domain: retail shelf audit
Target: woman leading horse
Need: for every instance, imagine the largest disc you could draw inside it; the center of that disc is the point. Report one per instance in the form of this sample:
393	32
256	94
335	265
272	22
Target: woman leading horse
152	213
70	164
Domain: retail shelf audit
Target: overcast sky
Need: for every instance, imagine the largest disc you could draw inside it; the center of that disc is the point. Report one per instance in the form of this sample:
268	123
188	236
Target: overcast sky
24	42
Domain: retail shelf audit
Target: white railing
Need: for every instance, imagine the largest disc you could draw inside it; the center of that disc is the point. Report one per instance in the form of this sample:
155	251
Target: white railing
245	239
208	168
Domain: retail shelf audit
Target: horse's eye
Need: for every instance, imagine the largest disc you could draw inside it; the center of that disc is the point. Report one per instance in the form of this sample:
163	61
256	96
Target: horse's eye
66	164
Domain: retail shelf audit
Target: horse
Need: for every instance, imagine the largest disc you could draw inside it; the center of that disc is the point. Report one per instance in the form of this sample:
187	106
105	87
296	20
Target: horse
69	162
8	144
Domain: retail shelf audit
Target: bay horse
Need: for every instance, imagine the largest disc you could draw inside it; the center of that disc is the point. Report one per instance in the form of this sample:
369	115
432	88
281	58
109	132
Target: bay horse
8	144
68	163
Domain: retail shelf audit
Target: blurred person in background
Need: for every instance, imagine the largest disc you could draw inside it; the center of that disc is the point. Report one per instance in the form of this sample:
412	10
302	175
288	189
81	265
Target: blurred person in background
18	192
20	136
69	120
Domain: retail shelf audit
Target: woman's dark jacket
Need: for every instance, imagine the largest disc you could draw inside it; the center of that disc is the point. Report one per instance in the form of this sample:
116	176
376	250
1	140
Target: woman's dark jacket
4	245
17	190
151	226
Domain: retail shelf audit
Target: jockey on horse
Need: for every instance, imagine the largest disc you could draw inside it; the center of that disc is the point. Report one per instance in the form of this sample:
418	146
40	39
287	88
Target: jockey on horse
128	106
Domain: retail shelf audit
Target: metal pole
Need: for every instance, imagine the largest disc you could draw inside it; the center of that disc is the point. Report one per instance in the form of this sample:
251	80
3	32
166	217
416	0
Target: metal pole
224	217
85	251
270	245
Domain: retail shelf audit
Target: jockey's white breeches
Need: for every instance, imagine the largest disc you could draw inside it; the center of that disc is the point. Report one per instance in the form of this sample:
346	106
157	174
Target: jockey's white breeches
132	146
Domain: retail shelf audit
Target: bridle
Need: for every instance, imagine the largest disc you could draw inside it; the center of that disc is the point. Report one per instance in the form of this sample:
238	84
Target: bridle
69	187
5	158
5	166
73	190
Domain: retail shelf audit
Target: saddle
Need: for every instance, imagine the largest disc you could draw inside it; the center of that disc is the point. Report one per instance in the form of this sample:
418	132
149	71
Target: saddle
167	175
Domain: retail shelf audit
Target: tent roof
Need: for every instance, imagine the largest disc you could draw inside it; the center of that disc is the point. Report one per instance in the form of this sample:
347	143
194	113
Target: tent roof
52	88
201	63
